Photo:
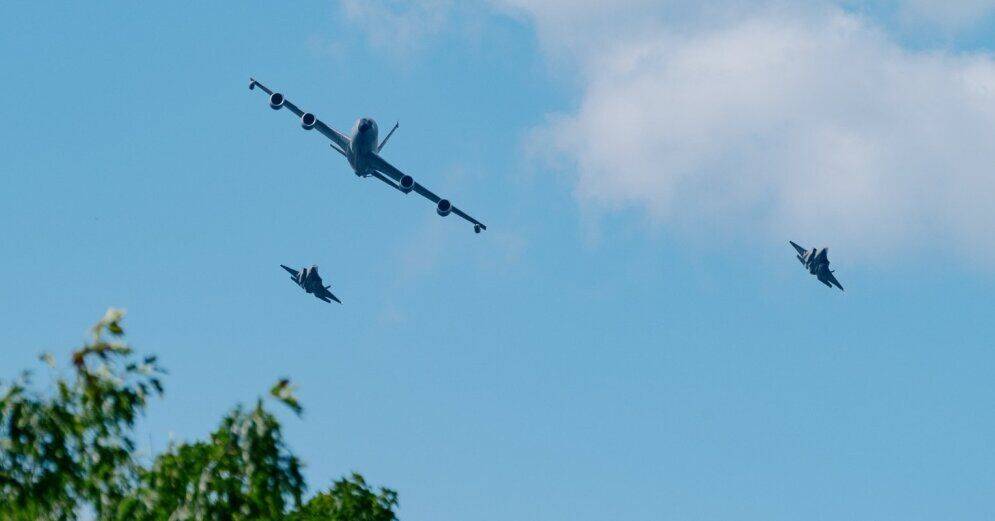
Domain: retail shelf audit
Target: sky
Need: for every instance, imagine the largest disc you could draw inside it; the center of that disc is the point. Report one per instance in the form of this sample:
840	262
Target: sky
631	338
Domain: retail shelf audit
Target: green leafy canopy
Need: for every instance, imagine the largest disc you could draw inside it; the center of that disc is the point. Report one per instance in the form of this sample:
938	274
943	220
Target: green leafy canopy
72	447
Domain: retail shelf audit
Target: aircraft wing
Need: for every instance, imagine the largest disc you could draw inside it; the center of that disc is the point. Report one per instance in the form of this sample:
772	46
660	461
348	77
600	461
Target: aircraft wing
395	176
296	274
325	295
832	279
278	101
799	249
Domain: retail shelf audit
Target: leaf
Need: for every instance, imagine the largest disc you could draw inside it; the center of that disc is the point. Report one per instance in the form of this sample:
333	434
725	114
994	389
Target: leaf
284	392
111	322
48	359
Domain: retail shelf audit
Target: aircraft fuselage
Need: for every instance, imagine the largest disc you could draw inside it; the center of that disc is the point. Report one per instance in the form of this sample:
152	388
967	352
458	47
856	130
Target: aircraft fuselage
309	280
364	143
816	262
818	265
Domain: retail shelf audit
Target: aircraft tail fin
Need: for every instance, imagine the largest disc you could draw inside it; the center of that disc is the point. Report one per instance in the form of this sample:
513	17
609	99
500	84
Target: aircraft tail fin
391	133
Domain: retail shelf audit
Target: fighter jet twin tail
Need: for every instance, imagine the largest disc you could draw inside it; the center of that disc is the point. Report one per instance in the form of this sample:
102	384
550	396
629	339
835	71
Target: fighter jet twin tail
361	148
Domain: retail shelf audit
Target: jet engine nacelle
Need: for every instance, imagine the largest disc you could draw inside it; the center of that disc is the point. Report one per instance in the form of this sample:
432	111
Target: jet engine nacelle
308	121
444	207
407	183
276	101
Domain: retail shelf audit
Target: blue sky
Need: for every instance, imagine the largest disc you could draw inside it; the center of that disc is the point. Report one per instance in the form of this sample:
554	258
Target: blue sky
630	339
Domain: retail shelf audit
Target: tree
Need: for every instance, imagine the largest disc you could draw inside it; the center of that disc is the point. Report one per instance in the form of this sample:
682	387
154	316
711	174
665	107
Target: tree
73	447
244	471
76	445
349	499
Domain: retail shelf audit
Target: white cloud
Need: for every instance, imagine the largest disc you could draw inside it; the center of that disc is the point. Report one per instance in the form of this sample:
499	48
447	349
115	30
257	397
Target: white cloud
399	26
790	122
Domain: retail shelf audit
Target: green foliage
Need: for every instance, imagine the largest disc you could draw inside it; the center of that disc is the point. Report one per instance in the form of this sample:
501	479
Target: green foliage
350	499
72	447
243	472
284	392
75	445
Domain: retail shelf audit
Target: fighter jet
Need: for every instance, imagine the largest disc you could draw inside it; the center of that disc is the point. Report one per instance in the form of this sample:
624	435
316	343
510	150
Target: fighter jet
816	261
362	151
309	279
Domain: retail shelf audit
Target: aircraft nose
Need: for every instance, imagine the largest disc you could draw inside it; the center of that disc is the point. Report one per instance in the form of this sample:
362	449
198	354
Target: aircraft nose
364	125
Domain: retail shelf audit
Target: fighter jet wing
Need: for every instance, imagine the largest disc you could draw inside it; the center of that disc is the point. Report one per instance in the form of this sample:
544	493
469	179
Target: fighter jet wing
832	279
296	274
325	295
278	101
406	184
799	249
